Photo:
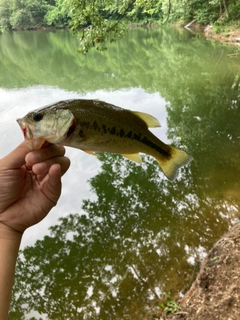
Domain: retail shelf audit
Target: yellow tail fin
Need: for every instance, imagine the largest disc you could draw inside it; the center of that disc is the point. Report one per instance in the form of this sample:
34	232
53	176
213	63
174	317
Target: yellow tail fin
170	166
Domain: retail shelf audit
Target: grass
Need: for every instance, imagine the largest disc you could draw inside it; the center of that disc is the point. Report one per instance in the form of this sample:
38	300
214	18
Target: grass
169	305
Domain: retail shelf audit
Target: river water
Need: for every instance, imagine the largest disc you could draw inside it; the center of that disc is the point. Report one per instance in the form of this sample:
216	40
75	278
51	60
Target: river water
122	236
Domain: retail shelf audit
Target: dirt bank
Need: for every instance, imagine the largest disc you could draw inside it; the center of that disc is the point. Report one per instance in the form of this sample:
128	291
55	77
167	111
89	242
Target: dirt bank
215	294
229	35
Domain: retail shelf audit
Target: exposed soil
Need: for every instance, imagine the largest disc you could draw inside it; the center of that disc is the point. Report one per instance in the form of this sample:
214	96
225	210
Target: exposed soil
215	294
231	36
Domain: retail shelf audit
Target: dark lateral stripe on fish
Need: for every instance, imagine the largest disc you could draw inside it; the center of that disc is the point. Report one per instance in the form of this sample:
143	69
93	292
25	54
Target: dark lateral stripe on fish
121	133
152	145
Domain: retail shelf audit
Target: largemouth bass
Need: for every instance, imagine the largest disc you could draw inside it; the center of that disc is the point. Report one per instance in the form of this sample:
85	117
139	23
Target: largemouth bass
96	126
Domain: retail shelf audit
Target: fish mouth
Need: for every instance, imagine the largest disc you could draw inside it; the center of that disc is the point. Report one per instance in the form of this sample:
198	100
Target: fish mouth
23	127
28	132
27	129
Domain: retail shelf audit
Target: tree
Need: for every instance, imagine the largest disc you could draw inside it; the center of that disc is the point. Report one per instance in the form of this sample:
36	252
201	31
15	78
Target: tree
90	19
98	22
5	14
22	14
57	14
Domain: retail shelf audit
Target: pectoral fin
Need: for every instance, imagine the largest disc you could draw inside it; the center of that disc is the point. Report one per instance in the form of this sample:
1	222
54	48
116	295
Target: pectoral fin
134	157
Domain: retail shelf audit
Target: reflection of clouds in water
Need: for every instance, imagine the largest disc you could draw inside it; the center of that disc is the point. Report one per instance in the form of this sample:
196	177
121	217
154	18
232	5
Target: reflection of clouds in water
16	103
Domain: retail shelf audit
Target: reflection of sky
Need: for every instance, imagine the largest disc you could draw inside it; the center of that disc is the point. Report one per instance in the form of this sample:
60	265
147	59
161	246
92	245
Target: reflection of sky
16	103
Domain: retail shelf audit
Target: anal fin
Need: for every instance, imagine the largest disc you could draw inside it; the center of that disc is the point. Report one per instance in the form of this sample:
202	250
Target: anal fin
134	157
90	152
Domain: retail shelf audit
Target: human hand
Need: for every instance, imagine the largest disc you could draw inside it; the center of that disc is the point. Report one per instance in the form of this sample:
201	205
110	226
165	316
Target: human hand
30	184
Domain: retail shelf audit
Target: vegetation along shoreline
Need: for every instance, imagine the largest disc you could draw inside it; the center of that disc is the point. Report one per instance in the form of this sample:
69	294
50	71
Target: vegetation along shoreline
98	22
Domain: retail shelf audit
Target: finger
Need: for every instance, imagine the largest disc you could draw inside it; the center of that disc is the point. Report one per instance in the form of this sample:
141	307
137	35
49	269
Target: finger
52	186
42	168
41	155
16	158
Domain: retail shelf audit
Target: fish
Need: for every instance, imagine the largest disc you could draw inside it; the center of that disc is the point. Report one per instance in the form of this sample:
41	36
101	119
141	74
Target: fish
97	126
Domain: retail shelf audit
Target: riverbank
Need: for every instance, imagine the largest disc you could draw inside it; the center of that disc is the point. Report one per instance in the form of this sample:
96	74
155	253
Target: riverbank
215	292
230	35
227	34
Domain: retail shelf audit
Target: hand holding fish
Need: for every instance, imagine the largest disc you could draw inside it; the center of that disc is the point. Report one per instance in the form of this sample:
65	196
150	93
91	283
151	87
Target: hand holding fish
30	184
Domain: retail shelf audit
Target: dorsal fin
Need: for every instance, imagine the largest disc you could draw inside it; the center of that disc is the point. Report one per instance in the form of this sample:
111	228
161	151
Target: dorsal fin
151	121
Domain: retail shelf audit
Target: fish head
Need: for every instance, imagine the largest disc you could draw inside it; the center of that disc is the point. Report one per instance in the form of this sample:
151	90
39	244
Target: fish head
46	124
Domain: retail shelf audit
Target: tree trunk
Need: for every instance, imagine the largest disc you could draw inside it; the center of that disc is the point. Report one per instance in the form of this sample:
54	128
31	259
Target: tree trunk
225	8
220	8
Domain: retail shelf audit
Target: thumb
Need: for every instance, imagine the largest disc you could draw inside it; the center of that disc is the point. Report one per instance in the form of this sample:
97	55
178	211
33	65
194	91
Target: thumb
16	158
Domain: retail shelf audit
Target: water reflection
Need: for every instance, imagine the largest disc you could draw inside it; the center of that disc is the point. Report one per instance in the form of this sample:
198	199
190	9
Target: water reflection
136	235
156	60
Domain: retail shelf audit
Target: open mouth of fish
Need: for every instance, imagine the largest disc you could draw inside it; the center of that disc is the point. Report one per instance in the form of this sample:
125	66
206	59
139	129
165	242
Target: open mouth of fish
28	133
26	129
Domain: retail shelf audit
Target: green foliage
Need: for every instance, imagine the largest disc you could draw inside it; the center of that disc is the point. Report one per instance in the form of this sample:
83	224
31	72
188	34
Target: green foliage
5	13
217	29
146	12
207	15
58	14
100	22
177	10
93	27
234	12
22	14
169	305
203	11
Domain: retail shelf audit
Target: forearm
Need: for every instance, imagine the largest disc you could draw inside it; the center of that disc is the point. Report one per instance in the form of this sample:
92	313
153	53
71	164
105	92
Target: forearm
9	246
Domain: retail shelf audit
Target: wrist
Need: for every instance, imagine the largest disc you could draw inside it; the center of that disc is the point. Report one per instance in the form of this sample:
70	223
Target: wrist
10	240
9	233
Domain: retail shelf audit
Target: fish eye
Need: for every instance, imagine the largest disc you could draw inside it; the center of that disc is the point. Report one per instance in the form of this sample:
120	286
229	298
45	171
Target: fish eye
37	116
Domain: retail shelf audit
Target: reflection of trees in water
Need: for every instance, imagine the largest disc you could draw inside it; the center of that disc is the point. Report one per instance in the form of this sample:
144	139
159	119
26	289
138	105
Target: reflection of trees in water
135	240
208	121
129	244
164	60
